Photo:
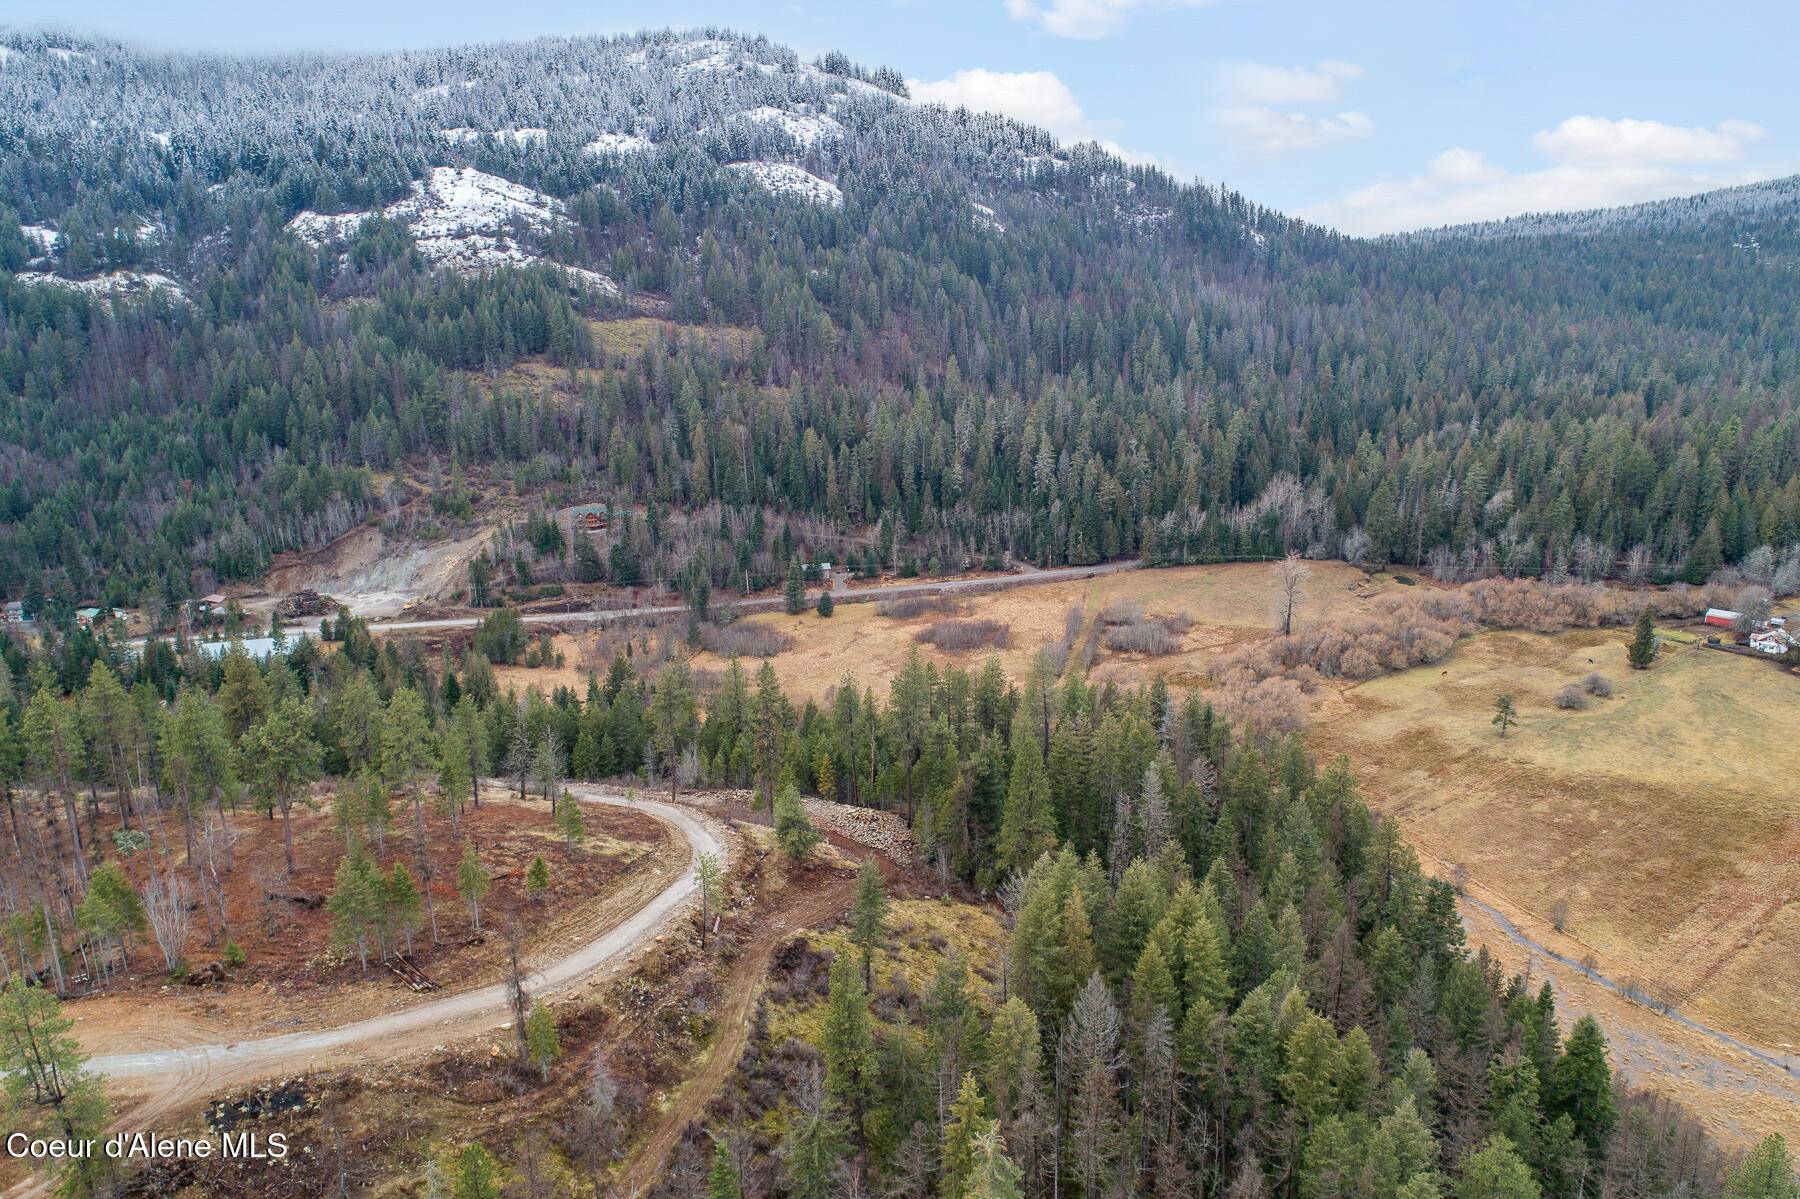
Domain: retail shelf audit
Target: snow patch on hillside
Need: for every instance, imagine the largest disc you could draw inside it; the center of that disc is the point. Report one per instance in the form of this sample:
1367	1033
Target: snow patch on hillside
705	54
986	219
619	143
42	239
463	220
114	283
64	54
805	128
438	91
518	137
785	179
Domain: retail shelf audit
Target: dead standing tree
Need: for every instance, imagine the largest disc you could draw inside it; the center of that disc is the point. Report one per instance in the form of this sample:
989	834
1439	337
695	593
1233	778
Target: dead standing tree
1290	590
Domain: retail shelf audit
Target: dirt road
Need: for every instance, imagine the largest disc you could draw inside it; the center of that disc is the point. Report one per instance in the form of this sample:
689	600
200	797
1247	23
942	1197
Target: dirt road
286	1051
173	1075
648	1159
840	593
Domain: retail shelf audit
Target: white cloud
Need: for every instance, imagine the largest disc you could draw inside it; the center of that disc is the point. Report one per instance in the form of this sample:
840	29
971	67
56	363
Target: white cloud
1251	92
1086	18
1260	83
1035	97
1274	132
1596	163
1599	140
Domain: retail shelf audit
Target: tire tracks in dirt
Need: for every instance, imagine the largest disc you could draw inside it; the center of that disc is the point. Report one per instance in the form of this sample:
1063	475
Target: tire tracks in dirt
644	1165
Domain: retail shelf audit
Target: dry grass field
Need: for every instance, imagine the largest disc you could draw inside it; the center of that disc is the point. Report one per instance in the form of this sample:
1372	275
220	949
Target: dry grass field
1228	604
1666	817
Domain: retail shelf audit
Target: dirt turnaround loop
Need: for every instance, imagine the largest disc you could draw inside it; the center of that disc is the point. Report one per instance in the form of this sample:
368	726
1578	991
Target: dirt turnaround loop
174	1075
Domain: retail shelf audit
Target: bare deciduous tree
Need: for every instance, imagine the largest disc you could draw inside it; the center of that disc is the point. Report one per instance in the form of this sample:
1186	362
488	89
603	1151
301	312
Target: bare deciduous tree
1290	590
1559	915
1637	564
1592	559
166	908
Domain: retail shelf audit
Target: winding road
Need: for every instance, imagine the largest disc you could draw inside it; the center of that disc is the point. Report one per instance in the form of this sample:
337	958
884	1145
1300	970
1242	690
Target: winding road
241	1060
170	1078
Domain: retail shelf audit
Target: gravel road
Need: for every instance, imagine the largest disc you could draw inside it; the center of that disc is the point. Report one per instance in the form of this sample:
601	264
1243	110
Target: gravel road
290	1049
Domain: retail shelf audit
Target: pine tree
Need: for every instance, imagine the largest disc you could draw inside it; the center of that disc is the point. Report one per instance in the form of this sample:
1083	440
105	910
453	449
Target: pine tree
795	594
1580	1085
1705	556
472	881
281	757
542	1045
537	877
407	754
826	607
47	1086
570	823
1075	963
1013	1050
969	1118
812	1155
1767	1172
994	1175
1496	1171
1206	980
112	911
399	905
454	777
674	719
1506	712
722	1179
708	880
355	903
1027	824
1642	652
847	1040
868	916
477	1177
794	830
1153	986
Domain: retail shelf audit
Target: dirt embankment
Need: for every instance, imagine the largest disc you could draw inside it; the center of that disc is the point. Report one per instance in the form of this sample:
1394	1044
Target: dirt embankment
376	575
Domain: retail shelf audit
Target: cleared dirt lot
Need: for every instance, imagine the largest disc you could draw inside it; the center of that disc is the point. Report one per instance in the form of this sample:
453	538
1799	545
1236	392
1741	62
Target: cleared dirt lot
295	981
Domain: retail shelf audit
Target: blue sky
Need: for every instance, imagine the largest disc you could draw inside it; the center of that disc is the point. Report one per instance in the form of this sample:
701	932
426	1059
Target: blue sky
1368	116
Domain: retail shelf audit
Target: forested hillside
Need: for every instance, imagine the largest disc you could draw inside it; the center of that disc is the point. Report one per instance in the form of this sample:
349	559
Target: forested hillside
247	298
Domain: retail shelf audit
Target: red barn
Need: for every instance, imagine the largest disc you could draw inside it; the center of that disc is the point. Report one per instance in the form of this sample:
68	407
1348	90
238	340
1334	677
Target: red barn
1723	618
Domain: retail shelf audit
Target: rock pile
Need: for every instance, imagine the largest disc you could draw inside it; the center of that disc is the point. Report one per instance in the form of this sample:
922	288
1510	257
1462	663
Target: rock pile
306	602
879	830
883	831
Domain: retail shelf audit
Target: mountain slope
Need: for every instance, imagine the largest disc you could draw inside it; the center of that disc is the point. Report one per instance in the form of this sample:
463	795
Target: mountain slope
935	337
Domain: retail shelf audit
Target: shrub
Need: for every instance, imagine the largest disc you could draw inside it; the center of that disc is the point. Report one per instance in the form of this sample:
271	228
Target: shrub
1150	636
1597	685
234	954
960	636
744	640
1122	612
1572	698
